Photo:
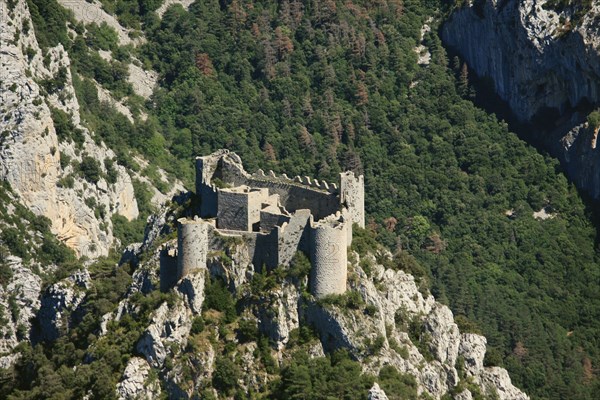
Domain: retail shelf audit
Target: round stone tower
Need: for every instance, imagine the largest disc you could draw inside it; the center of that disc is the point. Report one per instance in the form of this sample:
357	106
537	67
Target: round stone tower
192	246
329	258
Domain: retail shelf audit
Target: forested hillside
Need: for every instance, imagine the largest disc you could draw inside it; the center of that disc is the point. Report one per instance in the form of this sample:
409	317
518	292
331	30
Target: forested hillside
317	87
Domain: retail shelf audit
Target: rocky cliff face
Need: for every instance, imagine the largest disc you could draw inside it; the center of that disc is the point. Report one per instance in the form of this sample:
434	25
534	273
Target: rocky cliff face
543	61
30	155
393	323
536	57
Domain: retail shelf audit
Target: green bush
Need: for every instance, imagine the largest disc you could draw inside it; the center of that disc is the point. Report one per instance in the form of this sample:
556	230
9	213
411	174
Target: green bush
197	325
128	231
13	239
593	119
102	36
226	375
90	170
218	297
299	266
247	330
397	386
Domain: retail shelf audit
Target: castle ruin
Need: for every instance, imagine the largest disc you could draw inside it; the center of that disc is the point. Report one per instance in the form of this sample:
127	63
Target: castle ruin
275	217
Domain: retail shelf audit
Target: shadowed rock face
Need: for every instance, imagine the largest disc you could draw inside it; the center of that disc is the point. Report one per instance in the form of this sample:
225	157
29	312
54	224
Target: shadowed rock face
535	57
540	63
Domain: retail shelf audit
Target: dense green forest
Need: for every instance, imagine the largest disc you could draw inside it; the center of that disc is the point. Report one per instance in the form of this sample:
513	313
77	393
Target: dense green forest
317	87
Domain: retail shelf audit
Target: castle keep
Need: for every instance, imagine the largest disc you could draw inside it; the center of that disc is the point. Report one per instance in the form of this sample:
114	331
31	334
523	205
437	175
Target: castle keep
274	216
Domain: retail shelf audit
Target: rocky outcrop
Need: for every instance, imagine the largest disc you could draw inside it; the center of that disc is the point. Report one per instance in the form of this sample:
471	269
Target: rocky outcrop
59	302
497	379
387	320
30	158
19	302
136	383
167	3
542	62
581	157
376	393
472	349
381	336
168	326
536	57
192	289
281	317
91	12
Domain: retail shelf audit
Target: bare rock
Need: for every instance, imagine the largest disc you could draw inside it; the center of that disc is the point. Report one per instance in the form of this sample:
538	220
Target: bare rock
282	316
472	349
191	288
19	302
136	384
535	58
376	393
497	379
58	302
464	395
31	152
168	326
444	334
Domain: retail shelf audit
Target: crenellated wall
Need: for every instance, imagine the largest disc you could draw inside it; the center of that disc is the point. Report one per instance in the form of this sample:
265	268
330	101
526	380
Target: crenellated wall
320	197
269	218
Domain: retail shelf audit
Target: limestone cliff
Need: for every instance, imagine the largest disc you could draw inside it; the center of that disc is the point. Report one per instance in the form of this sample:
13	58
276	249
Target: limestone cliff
393	322
544	61
537	57
31	152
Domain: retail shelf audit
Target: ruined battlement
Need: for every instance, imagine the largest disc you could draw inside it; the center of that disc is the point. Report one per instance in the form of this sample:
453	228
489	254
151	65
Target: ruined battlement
306	181
274	216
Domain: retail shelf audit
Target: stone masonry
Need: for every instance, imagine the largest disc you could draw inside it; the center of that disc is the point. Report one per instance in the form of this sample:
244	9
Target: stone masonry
275	217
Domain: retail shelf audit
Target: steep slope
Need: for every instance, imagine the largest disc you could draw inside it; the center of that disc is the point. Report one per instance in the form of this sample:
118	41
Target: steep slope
229	330
542	58
43	170
538	56
30	257
312	91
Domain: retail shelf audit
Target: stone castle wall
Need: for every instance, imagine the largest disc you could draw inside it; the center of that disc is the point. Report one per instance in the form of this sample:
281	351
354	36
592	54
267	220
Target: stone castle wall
316	218
293	236
239	210
321	198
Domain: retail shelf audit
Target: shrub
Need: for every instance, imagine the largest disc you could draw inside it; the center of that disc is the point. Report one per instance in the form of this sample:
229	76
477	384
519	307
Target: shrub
66	182
493	358
593	119
226	375
102	36
111	171
14	240
90	169
247	331
197	325
396	385
218	298
299	266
